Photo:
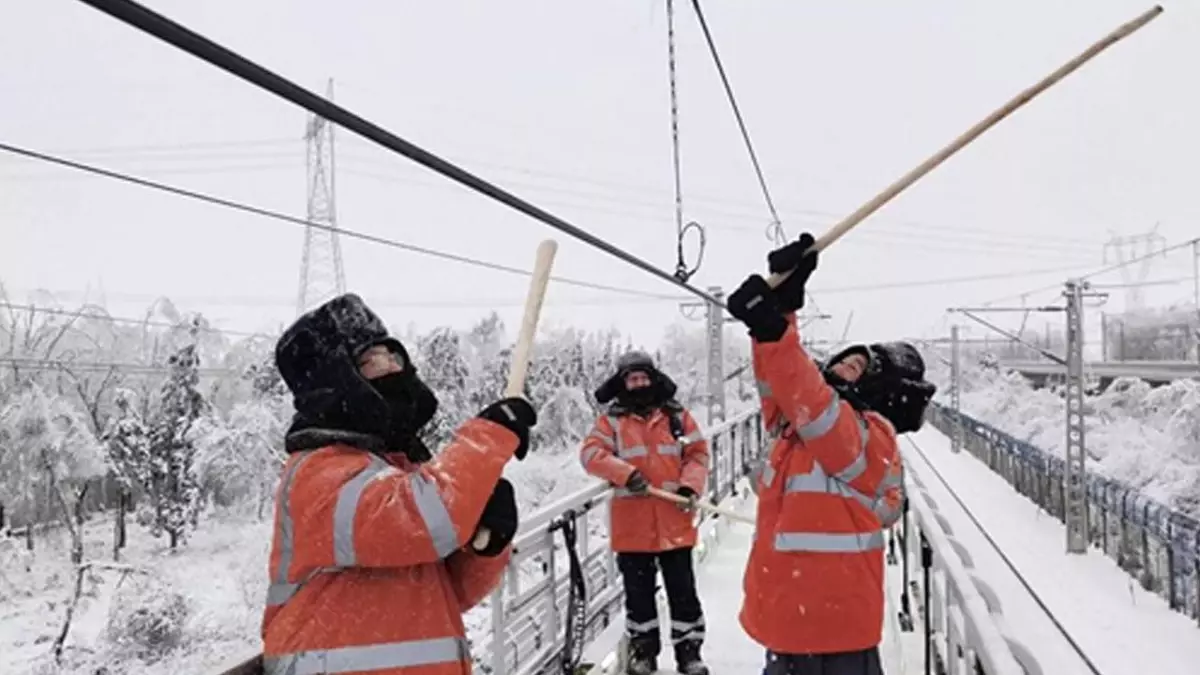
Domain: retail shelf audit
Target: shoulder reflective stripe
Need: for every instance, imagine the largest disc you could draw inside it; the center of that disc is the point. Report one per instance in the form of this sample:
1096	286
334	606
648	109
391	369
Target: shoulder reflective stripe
635	451
287	535
407	654
817	542
693	437
671	449
345	508
823	422
434	513
764	389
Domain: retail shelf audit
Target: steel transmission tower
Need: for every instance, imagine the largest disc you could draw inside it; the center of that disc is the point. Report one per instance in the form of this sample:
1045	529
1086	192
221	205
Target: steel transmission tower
1131	248
321	275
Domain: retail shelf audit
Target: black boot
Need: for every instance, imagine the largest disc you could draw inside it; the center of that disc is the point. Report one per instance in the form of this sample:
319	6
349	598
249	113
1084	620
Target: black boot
641	663
687	659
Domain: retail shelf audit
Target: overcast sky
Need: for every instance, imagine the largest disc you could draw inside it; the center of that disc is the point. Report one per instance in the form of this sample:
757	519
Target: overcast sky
566	104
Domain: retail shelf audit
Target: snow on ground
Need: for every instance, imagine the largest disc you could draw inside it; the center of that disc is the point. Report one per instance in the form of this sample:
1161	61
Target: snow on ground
1149	438
1122	628
211	590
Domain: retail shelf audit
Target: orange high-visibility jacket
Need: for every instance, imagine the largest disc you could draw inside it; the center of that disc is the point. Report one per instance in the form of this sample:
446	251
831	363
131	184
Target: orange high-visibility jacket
368	568
617	445
814	580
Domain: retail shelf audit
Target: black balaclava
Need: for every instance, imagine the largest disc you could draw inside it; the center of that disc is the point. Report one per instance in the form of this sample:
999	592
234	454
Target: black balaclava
411	404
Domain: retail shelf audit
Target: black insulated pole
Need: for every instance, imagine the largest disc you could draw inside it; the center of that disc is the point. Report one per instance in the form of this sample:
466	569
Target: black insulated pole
206	50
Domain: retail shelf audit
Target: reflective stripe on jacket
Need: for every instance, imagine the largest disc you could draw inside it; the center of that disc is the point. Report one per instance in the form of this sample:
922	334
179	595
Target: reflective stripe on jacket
617	445
368	568
814	580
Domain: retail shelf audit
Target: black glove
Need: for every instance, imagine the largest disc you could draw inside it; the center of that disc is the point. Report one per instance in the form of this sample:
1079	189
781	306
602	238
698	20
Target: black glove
688	494
792	258
637	483
517	415
499	518
754	304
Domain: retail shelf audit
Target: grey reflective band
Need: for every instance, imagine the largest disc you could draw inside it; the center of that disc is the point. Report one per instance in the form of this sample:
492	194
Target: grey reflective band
764	388
823	423
856	468
670	486
671	449
345	508
588	455
814	542
768	474
406	654
693	437
280	591
435	514
601	438
635	627
687	631
635	451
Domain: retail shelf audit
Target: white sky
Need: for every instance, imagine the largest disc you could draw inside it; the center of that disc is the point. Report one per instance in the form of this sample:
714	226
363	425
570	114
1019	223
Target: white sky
566	103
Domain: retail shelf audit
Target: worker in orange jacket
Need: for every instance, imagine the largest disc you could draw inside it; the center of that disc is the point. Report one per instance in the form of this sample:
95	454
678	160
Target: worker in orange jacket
370	569
830	485
644	439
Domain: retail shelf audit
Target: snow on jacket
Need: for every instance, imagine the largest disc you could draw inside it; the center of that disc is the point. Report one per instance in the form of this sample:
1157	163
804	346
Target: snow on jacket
368	567
814	580
621	443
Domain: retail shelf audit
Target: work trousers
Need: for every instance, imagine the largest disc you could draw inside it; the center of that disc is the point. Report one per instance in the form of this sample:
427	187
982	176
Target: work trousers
639	571
865	662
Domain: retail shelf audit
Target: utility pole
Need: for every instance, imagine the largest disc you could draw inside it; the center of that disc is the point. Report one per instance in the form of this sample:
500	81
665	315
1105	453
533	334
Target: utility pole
1196	294
1127	248
1075	489
321	274
715	318
955	393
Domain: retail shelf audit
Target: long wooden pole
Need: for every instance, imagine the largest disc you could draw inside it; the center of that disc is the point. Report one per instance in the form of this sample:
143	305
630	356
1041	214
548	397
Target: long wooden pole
971	134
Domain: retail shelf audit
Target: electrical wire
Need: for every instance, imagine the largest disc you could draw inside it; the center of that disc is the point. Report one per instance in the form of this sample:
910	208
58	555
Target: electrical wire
105	316
197	45
1103	270
775	229
104	366
308	223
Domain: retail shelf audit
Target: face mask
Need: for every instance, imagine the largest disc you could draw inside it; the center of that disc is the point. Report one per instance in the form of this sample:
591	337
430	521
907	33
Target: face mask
411	405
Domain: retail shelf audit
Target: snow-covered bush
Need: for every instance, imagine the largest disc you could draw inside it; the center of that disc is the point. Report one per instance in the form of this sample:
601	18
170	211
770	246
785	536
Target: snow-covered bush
146	619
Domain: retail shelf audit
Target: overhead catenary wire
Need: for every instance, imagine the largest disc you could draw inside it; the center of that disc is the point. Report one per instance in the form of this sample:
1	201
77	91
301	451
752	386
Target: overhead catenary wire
775	230
209	51
219	201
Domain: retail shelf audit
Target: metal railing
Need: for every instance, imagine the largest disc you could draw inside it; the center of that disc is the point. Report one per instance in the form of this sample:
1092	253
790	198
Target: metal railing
530	609
960	615
1158	546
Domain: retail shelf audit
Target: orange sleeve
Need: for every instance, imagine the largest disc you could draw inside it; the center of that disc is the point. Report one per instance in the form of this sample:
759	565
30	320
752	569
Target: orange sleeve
385	517
598	454
773	419
695	455
474	576
889	494
810	406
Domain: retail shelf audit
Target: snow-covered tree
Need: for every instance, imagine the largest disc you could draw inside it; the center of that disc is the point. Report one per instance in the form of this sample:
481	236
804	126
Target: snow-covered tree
173	487
443	369
48	454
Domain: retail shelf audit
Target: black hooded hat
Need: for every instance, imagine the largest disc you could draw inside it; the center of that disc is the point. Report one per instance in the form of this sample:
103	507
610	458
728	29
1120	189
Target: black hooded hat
893	383
629	362
318	357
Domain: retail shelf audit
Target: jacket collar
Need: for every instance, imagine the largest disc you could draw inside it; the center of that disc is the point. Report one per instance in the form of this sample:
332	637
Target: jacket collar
311	438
